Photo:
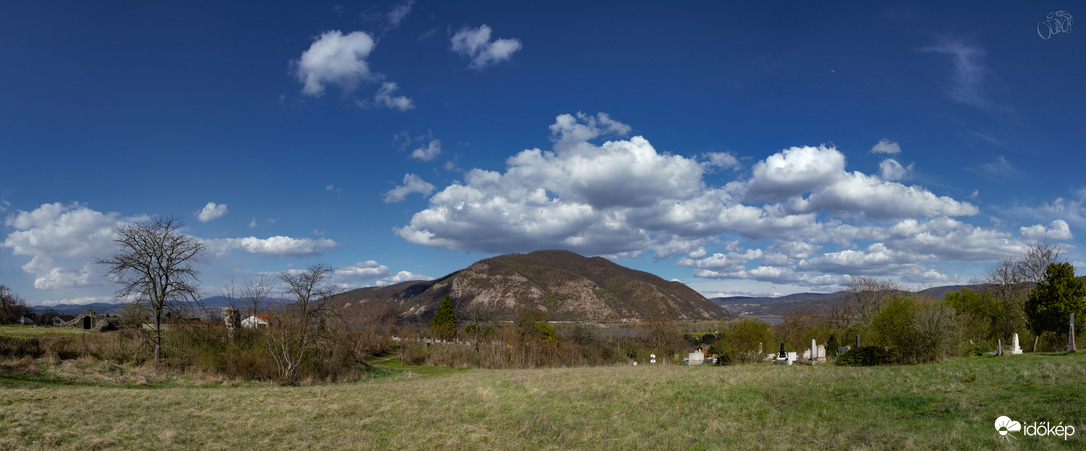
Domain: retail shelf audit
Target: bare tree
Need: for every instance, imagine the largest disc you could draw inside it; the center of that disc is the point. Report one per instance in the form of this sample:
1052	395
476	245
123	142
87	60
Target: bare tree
480	318
297	326
154	267
1033	265
12	307
862	298
1011	280
256	294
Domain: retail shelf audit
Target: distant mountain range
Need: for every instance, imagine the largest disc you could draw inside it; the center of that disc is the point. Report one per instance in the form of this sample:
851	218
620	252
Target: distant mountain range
776	306
568	286
214	302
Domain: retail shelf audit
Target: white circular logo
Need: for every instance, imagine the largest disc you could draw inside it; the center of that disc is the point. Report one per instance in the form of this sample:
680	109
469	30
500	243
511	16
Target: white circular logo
1005	425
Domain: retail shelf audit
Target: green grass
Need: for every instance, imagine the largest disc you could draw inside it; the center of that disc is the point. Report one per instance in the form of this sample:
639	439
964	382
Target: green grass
939	406
20	331
393	365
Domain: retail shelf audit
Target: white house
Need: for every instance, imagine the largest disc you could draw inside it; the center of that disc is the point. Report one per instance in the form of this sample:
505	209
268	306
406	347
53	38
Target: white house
258	320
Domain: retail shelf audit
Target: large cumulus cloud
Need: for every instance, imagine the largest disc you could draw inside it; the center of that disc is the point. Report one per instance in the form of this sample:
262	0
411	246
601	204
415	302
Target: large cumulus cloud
63	241
805	217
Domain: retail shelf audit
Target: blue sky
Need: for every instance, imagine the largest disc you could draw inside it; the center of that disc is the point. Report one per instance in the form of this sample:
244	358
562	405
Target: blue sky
739	148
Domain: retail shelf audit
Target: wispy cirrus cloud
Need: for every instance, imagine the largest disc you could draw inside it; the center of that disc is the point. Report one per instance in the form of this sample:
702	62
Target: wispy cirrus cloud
969	72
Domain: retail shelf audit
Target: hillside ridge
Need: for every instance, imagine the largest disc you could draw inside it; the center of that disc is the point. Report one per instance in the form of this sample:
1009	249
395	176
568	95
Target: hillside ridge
568	286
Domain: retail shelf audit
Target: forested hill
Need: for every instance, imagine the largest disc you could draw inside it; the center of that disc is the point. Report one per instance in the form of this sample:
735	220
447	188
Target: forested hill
568	286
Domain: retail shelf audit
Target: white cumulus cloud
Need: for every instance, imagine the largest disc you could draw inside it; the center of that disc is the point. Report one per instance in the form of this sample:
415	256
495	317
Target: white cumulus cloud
411	184
723	160
62	240
1057	230
890	169
211	212
385	98
795	171
476	45
370	273
802	216
429	152
337	59
887	147
276	246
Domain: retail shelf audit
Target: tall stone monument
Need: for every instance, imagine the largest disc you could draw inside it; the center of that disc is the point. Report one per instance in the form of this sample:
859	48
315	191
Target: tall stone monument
1071	336
232	317
1015	349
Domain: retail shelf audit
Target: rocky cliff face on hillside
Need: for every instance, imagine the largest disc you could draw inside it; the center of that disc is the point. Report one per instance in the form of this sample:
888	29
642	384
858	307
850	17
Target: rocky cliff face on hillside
568	286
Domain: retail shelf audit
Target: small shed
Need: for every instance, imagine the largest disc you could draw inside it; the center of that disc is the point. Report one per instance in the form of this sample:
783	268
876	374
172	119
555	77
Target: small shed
91	320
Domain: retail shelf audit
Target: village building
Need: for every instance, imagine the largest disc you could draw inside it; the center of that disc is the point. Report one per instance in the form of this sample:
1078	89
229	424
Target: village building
91	320
257	320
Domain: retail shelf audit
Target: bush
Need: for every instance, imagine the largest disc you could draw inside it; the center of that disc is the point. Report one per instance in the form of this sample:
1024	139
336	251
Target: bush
865	356
20	347
739	341
916	331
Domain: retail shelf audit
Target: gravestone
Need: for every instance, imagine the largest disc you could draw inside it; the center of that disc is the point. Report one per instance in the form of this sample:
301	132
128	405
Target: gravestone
1015	349
695	358
1071	336
821	358
806	354
785	358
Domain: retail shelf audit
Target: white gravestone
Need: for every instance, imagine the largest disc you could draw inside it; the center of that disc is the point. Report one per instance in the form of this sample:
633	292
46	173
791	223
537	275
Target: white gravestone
1015	349
1071	336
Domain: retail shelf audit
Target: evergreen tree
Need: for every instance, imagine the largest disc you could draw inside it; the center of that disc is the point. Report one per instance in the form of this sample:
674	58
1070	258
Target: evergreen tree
1052	301
444	322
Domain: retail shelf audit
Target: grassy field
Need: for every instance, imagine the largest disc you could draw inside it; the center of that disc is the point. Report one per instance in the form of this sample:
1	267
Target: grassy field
951	405
19	331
